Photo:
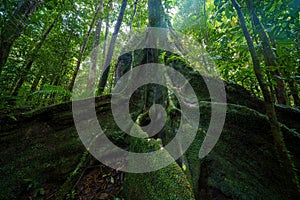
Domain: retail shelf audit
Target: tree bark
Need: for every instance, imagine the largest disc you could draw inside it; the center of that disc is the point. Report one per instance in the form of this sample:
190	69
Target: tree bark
94	58
156	18
133	14
105	39
36	82
150	94
294	93
82	50
106	67
156	14
269	55
14	27
104	46
282	153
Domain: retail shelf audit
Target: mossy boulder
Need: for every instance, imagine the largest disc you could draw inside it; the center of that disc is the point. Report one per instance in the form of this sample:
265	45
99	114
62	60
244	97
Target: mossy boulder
168	183
39	149
243	164
42	147
235	94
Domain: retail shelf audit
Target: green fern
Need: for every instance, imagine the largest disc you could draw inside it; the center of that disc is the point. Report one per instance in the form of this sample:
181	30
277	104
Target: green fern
52	89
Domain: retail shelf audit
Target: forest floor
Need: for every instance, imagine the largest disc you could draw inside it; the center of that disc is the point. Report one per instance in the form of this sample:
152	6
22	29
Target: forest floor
96	182
100	182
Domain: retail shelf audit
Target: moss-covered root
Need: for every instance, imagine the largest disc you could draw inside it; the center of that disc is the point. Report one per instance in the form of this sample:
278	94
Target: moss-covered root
73	177
169	183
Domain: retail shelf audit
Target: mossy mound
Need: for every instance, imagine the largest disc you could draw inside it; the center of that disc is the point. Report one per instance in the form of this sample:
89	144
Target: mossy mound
36	153
235	94
243	164
42	147
39	149
168	183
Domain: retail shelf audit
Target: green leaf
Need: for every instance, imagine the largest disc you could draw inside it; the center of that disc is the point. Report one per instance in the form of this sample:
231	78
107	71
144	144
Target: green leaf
42	191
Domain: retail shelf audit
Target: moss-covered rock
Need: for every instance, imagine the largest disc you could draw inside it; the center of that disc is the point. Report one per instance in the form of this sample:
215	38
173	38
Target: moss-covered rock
169	183
243	164
38	148
236	94
43	147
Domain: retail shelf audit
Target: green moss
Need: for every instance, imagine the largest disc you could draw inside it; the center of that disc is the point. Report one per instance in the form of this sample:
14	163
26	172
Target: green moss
45	148
40	154
243	164
169	183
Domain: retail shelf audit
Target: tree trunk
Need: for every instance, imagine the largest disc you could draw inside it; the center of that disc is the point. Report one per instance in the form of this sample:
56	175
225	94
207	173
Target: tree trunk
94	58
82	50
156	14
31	60
156	18
14	27
294	93
269	55
41	98
104	49
279	143
111	48
51	96
36	82
133	14
107	25
61	69
105	39
104	46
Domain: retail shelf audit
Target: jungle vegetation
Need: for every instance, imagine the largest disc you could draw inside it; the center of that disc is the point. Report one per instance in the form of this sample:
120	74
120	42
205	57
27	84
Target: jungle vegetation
255	45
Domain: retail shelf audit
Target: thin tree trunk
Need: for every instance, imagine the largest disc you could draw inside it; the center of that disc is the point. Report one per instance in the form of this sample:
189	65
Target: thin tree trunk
205	20
104	50
133	14
283	155
111	48
14	27
36	82
66	50
105	39
56	82
34	85
82	50
269	55
62	70
93	65
42	96
51	96
294	93
32	59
